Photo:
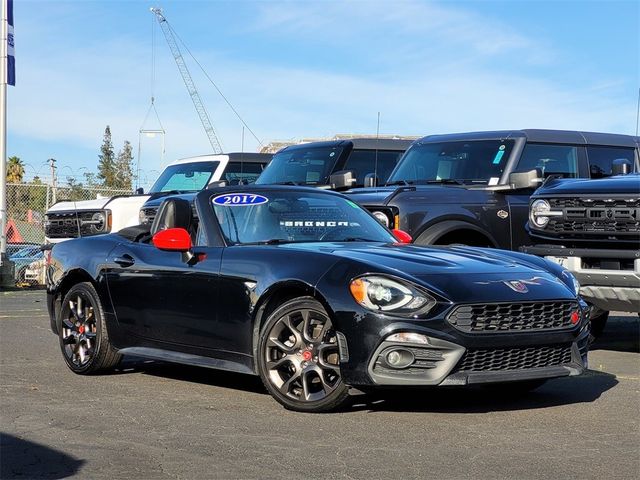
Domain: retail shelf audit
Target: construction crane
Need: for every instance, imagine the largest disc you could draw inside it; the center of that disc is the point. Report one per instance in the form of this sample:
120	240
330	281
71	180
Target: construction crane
188	81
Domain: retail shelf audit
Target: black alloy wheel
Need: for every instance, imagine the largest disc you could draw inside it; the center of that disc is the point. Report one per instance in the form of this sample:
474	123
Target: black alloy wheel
298	359
84	340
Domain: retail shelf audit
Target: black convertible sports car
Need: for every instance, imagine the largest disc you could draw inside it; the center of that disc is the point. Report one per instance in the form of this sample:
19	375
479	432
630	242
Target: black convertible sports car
310	292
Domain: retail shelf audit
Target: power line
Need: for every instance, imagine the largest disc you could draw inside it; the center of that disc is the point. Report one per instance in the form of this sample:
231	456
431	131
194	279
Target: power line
214	84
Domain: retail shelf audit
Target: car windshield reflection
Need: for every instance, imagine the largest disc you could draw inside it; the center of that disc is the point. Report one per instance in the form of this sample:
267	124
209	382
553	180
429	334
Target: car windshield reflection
278	217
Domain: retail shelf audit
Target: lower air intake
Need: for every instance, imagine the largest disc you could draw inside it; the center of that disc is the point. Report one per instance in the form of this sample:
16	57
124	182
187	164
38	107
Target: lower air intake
496	359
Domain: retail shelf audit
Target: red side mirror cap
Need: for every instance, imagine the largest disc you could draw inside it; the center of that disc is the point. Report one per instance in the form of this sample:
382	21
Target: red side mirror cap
173	240
402	236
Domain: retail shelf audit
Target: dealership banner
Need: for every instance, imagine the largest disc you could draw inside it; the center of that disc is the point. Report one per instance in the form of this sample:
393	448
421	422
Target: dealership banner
11	56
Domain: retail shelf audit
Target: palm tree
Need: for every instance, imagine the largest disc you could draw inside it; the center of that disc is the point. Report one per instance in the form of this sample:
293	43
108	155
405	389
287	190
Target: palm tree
15	170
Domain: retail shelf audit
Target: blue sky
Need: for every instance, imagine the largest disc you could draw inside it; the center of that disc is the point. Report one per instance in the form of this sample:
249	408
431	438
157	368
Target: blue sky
316	68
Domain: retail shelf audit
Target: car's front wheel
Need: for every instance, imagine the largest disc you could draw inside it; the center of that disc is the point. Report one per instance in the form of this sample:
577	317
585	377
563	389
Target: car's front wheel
84	339
298	359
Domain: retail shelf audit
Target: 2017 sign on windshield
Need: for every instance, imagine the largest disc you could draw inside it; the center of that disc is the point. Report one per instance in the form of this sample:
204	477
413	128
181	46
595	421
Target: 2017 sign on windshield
239	199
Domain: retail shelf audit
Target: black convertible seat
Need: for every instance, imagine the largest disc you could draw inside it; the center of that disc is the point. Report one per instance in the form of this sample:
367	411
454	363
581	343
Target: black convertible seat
173	213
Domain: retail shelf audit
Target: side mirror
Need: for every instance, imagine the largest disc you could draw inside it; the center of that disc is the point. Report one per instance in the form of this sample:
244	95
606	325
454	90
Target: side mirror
620	166
173	240
140	191
370	180
342	179
522	180
402	236
217	184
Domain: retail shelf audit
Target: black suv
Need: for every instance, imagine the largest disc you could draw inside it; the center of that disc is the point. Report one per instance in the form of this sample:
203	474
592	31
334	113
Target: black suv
337	164
592	228
474	188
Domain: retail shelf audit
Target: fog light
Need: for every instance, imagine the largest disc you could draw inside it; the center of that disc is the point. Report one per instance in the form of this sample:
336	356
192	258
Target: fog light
399	358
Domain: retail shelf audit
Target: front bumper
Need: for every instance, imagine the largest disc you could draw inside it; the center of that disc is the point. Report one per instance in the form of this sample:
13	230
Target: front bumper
607	289
452	357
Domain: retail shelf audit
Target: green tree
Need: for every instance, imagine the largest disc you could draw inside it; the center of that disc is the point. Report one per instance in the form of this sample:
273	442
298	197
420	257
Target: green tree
124	167
15	170
106	162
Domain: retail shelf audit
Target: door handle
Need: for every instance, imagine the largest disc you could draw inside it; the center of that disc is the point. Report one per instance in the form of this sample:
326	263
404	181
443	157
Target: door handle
124	260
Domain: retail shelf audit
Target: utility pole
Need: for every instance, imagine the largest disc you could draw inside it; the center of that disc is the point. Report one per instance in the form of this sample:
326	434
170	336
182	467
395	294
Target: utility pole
54	179
5	274
6	266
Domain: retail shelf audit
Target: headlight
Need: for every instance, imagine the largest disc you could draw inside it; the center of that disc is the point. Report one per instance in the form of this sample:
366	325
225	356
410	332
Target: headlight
384	294
571	280
539	213
142	217
98	222
382	218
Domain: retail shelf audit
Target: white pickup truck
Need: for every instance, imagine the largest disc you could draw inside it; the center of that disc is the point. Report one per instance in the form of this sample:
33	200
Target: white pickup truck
70	219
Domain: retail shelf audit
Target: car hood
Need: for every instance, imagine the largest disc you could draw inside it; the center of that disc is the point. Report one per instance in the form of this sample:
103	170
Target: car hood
97	204
440	194
460	274
617	185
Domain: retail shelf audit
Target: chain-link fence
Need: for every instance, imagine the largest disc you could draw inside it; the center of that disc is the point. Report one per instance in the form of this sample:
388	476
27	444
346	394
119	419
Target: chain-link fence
27	204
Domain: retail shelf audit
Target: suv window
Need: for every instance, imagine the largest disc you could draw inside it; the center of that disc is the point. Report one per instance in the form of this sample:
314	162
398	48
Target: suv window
303	166
185	177
237	171
362	162
601	159
551	159
477	161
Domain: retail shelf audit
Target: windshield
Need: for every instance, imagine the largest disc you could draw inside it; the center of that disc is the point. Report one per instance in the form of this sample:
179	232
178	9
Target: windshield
27	252
380	162
480	161
242	171
291	216
301	166
185	177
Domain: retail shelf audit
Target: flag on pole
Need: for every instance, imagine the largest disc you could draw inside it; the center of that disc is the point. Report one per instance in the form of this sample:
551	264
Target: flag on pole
11	56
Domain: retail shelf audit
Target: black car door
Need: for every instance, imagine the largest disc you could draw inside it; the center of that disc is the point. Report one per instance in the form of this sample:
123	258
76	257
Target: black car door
157	296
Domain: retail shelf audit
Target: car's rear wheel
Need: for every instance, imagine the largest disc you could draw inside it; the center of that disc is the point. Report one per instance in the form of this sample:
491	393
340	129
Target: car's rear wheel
20	275
298	359
84	339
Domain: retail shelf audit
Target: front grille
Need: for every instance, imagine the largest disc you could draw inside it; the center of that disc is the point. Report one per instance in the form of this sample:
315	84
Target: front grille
65	225
150	214
518	358
509	317
598	216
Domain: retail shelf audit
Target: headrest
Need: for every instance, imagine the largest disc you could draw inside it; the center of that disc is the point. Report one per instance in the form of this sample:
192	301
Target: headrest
173	213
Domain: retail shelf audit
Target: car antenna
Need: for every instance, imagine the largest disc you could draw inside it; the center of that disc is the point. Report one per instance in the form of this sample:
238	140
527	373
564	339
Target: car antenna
638	113
242	156
375	168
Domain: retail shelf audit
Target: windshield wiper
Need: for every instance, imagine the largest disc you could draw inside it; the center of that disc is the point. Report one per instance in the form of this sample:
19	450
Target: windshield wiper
398	182
288	182
355	239
271	241
444	181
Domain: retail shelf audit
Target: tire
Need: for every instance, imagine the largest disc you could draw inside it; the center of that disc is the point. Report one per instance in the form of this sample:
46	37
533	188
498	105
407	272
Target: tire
298	358
598	322
83	336
20	275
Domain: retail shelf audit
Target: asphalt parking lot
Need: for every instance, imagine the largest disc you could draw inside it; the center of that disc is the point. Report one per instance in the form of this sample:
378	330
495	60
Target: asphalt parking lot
155	420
